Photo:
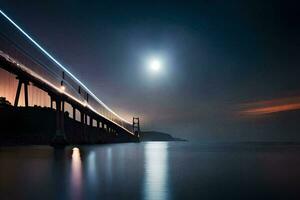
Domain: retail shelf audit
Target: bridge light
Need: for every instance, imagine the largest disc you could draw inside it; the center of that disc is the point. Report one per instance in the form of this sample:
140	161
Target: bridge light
85	104
62	88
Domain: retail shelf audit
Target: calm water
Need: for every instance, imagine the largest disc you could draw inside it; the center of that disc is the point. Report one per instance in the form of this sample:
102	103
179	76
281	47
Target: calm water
151	171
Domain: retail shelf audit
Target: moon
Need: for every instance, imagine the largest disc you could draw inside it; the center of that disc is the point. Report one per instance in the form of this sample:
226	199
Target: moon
155	65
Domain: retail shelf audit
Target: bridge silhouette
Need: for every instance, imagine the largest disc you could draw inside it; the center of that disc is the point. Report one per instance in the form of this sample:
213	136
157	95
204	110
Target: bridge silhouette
31	77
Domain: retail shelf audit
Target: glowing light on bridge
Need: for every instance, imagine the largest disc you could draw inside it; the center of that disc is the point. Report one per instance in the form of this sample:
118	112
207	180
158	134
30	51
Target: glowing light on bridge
62	88
60	65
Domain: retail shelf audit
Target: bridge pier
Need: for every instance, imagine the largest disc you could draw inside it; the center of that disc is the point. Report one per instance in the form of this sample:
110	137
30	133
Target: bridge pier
74	113
59	137
82	116
51	102
63	107
20	83
85	118
91	121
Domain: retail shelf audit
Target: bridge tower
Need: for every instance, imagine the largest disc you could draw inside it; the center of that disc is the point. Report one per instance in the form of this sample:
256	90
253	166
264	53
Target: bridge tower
136	126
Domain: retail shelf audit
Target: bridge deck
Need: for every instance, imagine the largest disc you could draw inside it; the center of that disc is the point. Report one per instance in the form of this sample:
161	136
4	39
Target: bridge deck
11	65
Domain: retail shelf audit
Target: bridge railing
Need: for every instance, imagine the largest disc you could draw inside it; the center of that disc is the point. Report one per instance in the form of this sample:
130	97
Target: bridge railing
22	48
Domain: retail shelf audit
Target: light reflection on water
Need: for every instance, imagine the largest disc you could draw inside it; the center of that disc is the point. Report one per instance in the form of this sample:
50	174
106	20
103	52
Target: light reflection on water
108	163
76	174
156	171
91	166
150	171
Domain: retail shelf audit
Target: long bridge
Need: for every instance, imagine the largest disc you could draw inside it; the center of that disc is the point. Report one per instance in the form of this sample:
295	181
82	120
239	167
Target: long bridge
31	78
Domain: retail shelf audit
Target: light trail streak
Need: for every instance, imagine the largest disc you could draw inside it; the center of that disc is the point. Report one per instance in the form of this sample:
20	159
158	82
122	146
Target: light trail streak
271	106
272	109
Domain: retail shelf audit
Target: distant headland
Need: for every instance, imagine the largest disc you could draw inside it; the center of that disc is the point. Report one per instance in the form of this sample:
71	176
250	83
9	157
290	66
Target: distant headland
157	136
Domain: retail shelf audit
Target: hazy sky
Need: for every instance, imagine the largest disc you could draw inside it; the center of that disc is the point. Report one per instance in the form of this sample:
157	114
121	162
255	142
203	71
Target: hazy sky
223	60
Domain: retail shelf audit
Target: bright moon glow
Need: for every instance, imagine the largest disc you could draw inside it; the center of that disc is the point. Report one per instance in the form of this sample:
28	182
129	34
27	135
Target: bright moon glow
155	65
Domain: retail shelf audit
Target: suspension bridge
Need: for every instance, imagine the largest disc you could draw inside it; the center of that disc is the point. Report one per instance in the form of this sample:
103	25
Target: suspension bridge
33	81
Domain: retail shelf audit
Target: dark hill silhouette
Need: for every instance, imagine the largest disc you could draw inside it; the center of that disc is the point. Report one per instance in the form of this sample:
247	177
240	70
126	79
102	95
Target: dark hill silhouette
4	102
157	136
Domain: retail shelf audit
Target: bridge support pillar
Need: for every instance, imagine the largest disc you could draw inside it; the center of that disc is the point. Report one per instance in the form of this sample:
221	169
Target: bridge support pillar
74	113
82	117
63	106
21	82
59	137
91	121
26	93
51	102
18	93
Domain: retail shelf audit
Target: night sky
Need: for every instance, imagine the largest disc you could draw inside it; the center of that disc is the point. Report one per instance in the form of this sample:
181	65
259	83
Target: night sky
230	68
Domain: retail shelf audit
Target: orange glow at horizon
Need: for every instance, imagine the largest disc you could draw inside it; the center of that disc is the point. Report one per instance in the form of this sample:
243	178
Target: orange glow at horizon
38	97
271	106
8	88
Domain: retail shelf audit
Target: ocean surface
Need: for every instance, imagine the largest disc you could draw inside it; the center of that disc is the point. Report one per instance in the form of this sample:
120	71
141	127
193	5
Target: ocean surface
151	171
